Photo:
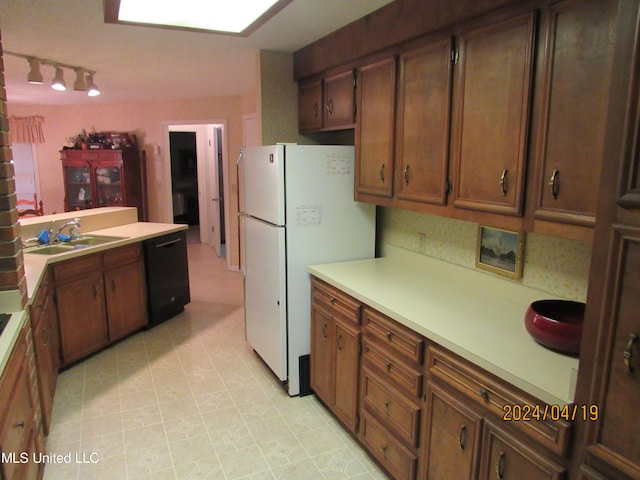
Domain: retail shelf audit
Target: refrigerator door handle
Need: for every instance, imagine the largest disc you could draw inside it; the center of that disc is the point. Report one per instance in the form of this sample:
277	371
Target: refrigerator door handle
240	156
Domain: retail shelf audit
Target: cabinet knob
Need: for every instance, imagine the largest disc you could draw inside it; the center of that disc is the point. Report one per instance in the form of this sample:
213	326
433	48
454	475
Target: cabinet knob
627	355
386	404
389	365
484	394
21	424
389	335
503	182
500	465
553	183
384	450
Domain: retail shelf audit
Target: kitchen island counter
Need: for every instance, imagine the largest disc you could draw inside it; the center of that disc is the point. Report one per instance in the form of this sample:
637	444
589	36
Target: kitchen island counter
475	315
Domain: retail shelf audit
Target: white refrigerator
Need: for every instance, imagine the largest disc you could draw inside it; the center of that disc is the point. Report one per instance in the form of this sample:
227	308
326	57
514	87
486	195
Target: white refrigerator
297	210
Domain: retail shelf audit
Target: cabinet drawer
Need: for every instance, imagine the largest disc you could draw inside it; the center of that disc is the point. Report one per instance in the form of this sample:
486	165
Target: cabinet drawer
497	396
401	340
122	255
394	410
76	268
395	457
340	304
392	369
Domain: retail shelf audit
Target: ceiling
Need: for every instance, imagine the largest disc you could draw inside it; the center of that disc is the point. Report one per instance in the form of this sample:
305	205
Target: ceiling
146	63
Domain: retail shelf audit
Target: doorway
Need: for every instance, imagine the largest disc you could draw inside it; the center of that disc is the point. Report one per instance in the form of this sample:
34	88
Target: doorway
197	181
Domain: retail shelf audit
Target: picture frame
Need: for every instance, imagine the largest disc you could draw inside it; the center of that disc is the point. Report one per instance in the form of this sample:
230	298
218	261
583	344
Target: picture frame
500	251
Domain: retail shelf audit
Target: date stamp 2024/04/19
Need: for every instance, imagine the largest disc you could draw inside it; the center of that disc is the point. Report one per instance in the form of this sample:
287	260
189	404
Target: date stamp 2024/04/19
531	413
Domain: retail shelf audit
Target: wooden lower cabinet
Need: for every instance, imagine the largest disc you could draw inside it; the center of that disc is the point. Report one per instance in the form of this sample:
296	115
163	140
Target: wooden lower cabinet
335	351
21	436
100	298
422	411
451	437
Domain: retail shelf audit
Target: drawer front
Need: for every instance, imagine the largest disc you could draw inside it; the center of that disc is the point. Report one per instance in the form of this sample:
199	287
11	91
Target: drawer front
401	340
498	397
395	457
392	369
393	409
122	255
337	302
76	268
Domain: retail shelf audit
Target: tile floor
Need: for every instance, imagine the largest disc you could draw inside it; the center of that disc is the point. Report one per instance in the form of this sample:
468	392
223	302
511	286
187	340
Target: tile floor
189	399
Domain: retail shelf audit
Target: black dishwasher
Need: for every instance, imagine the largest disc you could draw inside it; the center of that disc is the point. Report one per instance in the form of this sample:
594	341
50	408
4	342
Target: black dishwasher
167	275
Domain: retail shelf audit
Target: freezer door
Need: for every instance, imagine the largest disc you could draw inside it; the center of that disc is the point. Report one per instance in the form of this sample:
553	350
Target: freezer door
263	183
265	293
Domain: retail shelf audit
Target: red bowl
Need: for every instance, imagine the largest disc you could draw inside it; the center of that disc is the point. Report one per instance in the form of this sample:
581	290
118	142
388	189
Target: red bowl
556	324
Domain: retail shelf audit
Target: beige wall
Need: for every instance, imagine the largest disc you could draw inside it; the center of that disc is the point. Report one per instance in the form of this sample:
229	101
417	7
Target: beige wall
148	121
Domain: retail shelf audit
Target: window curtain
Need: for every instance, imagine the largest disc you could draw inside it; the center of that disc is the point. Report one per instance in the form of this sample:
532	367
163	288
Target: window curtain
26	129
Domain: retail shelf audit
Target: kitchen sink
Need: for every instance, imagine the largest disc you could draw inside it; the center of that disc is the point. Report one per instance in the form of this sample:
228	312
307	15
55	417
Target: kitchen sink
84	242
93	240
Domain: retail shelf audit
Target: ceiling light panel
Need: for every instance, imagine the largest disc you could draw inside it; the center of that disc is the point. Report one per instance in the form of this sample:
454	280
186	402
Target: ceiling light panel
234	16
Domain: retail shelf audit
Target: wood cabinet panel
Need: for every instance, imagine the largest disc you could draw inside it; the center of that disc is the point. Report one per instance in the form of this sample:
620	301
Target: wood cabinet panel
452	434
376	92
505	458
574	97
310	109
321	354
339	101
422	125
347	372
125	299
491	122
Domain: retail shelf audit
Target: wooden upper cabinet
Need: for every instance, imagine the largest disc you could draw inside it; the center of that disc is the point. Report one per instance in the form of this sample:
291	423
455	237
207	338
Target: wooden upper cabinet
422	125
310	106
577	70
339	101
490	128
376	91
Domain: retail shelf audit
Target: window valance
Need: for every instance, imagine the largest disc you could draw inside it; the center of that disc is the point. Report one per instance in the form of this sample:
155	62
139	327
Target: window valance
26	129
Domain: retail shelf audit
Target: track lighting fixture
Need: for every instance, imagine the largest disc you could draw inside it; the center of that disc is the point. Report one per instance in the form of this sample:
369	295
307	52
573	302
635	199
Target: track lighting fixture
83	82
58	82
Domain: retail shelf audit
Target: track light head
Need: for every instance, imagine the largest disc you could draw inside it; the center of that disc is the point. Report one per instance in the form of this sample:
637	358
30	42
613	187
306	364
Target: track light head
58	82
92	88
34	76
80	84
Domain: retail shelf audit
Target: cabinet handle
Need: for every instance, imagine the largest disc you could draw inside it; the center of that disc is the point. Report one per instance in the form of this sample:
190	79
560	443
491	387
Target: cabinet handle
389	365
339	339
405	175
386	404
389	335
45	337
324	331
462	436
333	300
95	291
627	355
382	173
503	182
315	109
553	183
21	424
330	106
500	465
113	285
384	450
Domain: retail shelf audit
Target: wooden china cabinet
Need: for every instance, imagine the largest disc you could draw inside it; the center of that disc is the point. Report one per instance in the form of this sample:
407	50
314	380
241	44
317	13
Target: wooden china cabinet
104	178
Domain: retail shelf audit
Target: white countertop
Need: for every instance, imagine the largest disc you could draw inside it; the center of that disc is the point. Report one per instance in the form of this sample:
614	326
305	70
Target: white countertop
475	315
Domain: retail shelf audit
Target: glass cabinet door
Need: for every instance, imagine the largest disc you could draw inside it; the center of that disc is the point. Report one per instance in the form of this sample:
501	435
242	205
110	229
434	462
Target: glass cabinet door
109	186
78	187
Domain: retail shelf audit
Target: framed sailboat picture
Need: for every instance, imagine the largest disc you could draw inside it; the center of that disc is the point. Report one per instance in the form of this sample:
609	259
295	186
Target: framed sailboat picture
500	251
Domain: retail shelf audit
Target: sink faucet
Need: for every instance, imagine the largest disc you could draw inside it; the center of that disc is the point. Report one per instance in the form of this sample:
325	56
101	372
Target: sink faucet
74	230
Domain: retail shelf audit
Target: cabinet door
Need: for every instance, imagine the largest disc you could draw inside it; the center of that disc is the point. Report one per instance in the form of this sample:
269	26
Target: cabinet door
310	106
490	133
109	185
77	186
321	354
423	118
375	128
347	368
81	314
126	311
577	70
452	437
339	101
505	458
45	371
